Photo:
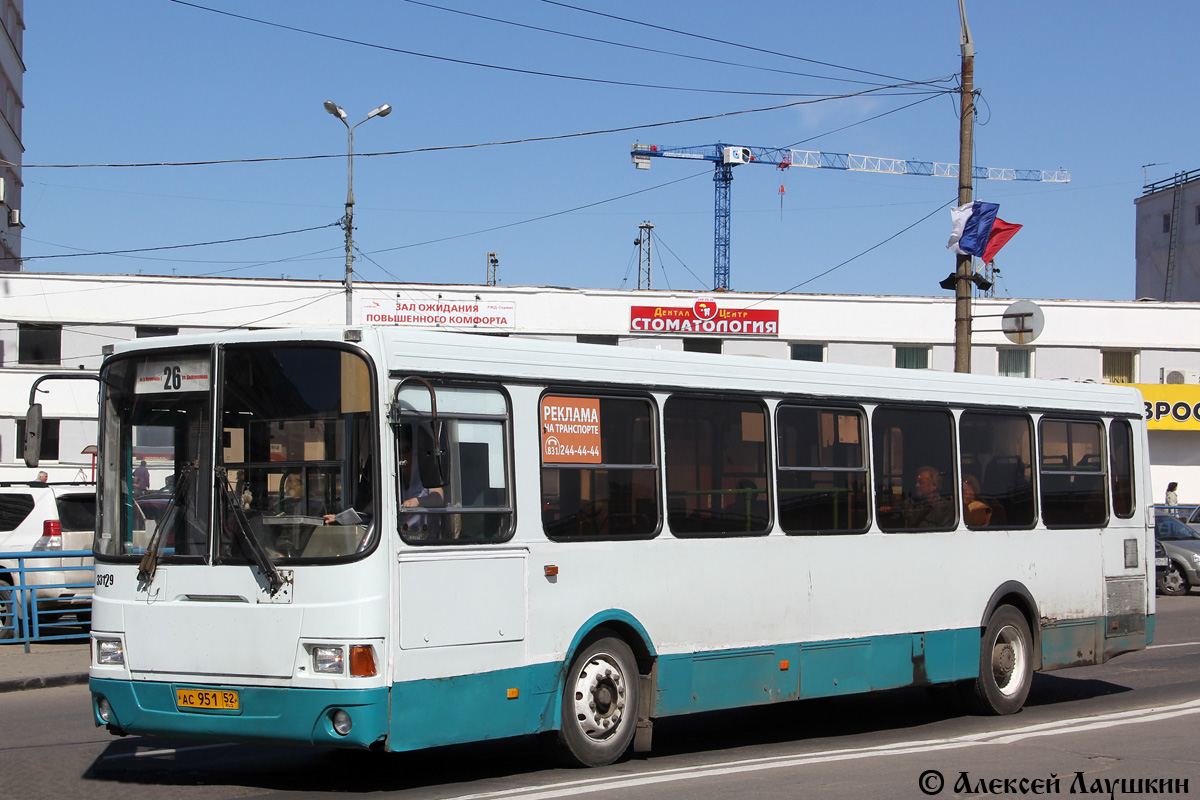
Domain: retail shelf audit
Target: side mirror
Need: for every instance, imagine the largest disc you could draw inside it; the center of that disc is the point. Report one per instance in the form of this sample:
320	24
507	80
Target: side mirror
33	435
433	457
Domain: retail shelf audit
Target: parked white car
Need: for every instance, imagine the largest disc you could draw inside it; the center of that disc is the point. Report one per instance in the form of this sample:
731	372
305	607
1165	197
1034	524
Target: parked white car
45	517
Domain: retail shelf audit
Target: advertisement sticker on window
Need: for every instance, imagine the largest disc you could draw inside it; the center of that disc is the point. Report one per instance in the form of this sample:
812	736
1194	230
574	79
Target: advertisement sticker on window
570	430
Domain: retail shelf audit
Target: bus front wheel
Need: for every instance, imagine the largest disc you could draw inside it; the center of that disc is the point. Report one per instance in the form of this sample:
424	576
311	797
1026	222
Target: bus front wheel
599	704
1005	665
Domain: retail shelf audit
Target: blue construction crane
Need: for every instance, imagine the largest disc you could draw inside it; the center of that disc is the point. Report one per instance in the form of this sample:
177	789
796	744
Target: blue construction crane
725	157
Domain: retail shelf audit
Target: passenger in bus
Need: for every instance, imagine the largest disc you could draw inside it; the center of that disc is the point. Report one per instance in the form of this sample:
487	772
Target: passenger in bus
976	513
415	495
293	501
927	507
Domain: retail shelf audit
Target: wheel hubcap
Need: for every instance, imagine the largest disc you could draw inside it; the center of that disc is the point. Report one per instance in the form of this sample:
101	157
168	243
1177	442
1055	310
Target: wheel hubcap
1008	661
600	695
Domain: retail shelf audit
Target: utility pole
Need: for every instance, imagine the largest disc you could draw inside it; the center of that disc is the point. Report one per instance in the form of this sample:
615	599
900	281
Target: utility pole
643	245
348	220
493	265
963	270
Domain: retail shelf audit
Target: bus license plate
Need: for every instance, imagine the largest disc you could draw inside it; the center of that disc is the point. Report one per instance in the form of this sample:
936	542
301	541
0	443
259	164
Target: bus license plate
207	699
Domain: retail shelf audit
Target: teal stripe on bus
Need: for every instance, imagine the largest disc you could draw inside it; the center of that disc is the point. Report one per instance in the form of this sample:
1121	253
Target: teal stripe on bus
266	714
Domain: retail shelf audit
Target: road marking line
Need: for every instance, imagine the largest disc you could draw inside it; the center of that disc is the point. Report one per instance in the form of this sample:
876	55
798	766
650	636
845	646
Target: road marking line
586	786
1181	644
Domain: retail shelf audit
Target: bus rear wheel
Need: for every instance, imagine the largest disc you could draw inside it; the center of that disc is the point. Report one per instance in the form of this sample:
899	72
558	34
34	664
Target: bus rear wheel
1005	665
599	704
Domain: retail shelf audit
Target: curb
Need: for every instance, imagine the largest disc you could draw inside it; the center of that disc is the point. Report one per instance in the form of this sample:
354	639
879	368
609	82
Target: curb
43	682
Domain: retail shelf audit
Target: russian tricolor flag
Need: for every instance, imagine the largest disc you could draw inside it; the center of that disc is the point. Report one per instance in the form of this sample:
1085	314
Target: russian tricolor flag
977	231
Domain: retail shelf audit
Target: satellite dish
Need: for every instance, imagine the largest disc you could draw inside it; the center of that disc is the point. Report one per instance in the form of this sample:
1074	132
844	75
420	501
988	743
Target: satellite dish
1022	322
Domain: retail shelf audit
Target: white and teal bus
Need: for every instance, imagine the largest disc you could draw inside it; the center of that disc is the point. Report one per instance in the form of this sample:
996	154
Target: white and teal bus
396	539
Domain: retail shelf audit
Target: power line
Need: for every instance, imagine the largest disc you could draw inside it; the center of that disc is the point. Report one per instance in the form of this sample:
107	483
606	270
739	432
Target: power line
539	218
875	246
627	46
722	41
878	92
464	62
178	246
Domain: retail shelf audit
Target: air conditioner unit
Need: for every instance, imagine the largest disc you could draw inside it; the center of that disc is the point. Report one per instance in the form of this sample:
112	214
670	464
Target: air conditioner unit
1179	375
736	155
14	218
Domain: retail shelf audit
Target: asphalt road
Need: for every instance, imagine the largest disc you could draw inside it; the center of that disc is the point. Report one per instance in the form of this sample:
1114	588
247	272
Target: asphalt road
1082	729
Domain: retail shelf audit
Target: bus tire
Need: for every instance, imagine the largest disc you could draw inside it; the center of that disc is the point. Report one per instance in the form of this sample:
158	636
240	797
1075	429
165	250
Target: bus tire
599	704
1005	665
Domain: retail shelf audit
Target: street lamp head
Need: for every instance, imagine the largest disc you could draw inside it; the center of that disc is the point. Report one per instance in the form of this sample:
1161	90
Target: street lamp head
335	109
382	111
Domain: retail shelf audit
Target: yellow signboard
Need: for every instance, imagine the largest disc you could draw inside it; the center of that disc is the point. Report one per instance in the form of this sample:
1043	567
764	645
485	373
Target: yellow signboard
1171	406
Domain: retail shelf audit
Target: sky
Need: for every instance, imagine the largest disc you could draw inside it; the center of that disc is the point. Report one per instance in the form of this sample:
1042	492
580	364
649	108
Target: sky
1100	90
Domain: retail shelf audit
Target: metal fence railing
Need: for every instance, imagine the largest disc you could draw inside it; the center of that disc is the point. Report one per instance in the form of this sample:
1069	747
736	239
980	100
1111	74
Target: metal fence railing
24	616
1180	512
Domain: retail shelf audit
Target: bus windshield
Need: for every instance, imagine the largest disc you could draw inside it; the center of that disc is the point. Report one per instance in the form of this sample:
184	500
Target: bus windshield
291	472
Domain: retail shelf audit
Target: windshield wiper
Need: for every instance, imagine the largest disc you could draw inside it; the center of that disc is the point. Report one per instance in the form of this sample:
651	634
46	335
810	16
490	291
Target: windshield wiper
154	548
255	549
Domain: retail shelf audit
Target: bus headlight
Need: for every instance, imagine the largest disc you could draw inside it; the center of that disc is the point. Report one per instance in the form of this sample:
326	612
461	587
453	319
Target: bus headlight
341	722
103	710
328	660
110	652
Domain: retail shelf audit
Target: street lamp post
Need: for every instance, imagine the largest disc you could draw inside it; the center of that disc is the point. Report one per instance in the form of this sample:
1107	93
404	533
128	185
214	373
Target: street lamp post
348	221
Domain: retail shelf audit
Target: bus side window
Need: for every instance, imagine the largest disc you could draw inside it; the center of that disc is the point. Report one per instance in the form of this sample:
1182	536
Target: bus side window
476	504
599	470
996	457
914	469
1120	440
822	470
716	467
1073	476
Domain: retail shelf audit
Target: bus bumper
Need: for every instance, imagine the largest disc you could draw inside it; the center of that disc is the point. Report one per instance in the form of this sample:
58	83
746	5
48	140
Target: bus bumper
266	714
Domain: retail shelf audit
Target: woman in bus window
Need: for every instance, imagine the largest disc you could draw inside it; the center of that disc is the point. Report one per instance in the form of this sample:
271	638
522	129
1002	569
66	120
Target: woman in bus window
977	513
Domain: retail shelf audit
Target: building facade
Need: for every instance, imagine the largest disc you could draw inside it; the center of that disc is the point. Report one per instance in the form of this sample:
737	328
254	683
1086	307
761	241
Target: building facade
12	72
61	322
1168	239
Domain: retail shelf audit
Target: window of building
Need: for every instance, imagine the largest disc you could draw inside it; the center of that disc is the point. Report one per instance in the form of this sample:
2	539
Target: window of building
1015	363
1120	447
1198	215
1117	366
716	459
49	448
1166	223
702	345
914	469
588	338
807	352
599	471
912	357
822	470
1072	475
996	465
39	344
146	331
